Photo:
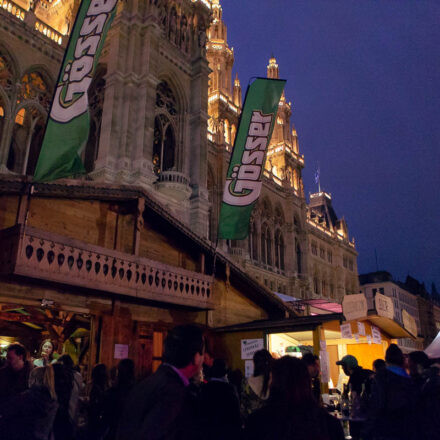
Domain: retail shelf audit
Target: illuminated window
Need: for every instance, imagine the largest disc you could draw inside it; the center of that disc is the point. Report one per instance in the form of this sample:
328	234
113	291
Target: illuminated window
19	117
34	87
2	112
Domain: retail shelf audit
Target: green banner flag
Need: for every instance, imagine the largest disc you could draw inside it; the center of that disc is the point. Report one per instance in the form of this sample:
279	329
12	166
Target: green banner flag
244	176
67	129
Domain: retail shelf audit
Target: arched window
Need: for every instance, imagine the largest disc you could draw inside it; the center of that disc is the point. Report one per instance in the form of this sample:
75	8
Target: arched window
96	101
266	246
27	137
253	242
279	250
33	87
165	122
298	257
33	102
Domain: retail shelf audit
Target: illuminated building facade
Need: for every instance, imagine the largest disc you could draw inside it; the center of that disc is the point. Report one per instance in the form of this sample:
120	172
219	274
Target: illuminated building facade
164	115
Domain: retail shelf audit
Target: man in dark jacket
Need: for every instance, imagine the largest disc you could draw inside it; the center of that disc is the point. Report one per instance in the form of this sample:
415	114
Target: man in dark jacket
14	375
160	407
391	415
219	406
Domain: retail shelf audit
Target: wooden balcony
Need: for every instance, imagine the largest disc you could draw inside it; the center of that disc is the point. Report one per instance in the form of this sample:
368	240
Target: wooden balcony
33	253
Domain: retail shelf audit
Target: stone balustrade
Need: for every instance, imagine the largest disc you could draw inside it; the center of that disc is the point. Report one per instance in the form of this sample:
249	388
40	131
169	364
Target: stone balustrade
30	252
13	9
49	32
174	184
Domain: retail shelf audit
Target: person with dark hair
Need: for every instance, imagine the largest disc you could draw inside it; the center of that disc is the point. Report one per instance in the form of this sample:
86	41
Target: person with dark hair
426	380
45	354
161	406
116	396
96	395
30	415
418	362
255	391
77	387
391	409
63	427
379	364
208	360
219	406
14	375
291	412
312	362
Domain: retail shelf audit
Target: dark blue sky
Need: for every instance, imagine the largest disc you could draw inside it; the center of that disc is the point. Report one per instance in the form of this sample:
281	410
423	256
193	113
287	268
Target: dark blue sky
364	80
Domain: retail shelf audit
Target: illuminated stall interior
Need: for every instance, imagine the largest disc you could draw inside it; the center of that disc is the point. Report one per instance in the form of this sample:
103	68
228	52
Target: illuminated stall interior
30	325
362	347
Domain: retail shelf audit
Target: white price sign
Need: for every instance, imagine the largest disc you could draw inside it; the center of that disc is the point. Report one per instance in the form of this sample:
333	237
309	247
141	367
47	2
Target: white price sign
250	346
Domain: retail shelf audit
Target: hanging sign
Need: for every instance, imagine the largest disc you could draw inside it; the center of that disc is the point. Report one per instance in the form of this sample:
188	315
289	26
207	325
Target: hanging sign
384	306
324	361
121	351
354	306
361	328
245	173
409	323
346	331
250	346
376	336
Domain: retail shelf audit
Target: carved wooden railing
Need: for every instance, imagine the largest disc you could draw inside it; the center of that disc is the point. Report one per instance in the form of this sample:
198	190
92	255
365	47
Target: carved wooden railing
43	255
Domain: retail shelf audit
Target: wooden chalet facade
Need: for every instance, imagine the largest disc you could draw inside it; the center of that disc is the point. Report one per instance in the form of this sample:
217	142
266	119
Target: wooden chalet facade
114	256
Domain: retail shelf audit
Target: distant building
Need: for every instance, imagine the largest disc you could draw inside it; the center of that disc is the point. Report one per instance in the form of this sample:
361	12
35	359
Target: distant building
429	311
383	282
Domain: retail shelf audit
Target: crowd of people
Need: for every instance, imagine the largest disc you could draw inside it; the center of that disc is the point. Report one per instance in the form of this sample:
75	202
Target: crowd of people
194	395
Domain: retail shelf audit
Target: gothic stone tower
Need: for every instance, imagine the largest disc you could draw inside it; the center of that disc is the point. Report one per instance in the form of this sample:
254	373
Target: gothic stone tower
154	110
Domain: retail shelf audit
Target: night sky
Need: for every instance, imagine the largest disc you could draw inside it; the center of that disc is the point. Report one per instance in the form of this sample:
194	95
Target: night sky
364	80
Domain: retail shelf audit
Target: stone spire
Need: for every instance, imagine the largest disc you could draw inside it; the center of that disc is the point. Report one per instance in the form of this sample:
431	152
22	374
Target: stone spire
237	91
272	68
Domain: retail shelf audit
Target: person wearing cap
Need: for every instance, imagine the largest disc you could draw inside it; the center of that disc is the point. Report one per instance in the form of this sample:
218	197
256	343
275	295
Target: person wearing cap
358	375
359	384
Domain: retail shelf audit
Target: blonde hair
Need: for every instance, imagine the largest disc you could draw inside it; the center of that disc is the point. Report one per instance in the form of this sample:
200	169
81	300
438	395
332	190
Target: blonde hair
44	376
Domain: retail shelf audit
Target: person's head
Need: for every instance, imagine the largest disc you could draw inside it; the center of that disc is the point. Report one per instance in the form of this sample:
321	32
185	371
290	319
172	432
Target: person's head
312	363
379	364
418	361
125	372
46	349
43	377
100	375
263	361
208	359
394	356
66	360
16	356
291	383
184	349
219	368
348	363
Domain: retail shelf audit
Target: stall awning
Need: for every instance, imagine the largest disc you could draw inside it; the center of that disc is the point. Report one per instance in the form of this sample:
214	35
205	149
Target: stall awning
388	326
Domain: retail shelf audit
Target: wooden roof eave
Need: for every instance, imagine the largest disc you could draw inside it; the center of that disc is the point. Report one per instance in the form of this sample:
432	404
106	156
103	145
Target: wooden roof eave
90	190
